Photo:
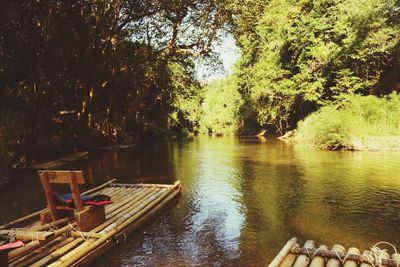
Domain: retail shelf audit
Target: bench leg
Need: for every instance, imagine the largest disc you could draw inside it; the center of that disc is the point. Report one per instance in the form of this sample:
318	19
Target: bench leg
90	217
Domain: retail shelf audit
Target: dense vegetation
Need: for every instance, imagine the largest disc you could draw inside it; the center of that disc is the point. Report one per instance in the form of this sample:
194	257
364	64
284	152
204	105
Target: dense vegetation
355	122
79	74
298	56
76	74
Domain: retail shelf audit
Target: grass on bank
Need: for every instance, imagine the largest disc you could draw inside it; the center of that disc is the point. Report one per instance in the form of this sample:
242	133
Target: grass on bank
355	123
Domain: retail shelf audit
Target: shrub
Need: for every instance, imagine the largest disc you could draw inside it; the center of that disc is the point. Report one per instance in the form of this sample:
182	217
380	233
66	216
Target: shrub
354	122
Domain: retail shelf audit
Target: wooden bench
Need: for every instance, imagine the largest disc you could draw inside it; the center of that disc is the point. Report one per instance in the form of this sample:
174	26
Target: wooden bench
86	217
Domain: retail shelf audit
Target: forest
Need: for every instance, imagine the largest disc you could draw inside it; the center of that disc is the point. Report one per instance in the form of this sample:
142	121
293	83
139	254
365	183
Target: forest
76	75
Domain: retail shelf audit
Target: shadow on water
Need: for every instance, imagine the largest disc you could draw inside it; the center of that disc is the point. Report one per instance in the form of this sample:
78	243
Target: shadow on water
243	198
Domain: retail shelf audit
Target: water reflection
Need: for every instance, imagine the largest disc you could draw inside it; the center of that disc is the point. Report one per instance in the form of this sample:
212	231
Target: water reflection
243	198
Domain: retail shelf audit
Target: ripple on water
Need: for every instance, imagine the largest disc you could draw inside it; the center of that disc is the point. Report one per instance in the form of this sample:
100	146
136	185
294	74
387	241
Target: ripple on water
245	197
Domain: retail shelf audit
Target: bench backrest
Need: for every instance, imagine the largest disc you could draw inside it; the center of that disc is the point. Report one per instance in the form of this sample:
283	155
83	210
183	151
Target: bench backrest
73	178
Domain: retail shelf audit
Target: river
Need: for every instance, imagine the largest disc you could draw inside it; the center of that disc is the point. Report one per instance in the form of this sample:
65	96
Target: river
243	198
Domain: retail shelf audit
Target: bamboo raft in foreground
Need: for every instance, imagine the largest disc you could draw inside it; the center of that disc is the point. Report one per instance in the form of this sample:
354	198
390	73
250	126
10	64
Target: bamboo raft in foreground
60	243
292	255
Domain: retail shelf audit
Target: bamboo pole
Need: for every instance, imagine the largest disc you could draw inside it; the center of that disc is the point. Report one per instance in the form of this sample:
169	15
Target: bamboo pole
384	256
110	231
289	259
319	261
16	253
141	185
106	223
26	257
395	256
283	253
51	224
304	260
362	259
133	209
151	212
41	252
34	245
37	213
121	211
367	254
97	188
335	262
59	252
20	220
351	263
123	192
131	227
112	210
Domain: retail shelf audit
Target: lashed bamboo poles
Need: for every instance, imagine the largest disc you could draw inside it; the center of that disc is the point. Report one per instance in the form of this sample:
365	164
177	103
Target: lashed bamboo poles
16	253
58	253
319	261
304	260
130	217
132	227
42	251
283	253
350	263
35	244
52	224
335	262
140	185
120	207
139	198
289	259
47	246
37	213
353	257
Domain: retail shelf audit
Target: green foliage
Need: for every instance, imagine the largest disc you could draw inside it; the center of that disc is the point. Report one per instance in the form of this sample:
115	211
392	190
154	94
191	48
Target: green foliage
186	99
72	67
221	107
300	55
354	122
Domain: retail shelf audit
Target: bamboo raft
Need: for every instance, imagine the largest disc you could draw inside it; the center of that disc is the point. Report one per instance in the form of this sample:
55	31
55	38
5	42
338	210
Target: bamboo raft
60	243
292	255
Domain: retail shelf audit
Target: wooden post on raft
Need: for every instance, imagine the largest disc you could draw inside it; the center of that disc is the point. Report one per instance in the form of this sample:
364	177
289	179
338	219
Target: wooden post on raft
282	254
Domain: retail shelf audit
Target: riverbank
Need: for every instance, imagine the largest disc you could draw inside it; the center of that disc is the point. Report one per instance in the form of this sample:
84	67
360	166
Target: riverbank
354	123
50	158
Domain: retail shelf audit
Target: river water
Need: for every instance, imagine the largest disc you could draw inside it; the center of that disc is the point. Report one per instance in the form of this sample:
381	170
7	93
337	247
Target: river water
243	198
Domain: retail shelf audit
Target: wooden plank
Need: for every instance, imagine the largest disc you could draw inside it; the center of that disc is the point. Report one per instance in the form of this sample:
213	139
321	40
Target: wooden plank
90	218
73	182
28	234
63	177
49	195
